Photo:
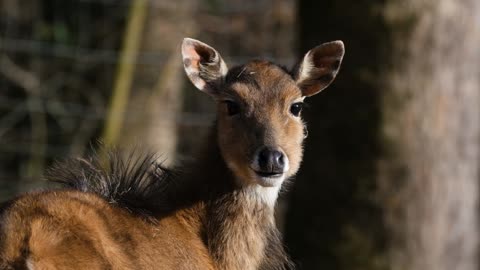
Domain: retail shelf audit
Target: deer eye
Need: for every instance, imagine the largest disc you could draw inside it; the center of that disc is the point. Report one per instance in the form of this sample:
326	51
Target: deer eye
232	107
296	108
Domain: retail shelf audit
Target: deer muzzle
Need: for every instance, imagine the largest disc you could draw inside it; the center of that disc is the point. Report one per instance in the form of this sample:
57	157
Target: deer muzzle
270	162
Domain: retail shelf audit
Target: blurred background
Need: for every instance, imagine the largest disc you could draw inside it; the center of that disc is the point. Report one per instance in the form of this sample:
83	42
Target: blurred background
390	177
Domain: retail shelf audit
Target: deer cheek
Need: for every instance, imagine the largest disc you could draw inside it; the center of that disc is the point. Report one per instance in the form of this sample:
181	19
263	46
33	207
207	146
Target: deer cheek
293	141
232	147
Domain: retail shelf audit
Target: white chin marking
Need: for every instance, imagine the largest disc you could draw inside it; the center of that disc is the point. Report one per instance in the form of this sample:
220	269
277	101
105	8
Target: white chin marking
270	181
267	195
267	189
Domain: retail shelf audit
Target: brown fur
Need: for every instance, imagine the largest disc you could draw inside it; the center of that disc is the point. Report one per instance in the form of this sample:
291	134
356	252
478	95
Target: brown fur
71	229
217	215
265	92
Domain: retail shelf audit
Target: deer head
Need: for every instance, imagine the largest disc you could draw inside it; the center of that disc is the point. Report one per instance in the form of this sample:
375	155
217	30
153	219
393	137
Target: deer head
259	126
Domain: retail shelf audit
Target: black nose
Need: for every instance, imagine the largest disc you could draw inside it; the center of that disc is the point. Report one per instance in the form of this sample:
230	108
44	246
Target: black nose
271	160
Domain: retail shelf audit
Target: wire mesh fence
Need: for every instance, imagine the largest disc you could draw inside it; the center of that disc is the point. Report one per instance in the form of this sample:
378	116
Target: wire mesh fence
59	61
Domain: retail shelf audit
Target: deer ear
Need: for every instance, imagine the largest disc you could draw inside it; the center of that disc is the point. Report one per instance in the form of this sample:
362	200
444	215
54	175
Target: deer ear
203	64
319	67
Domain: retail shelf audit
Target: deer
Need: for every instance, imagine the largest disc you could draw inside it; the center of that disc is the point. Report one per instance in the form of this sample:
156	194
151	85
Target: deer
216	213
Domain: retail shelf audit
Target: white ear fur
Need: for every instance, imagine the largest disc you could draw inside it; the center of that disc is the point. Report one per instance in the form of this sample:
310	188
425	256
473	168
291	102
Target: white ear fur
319	67
305	68
203	64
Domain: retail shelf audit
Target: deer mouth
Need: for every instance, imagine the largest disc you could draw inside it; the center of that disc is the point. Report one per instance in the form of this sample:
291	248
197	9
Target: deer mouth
269	179
269	174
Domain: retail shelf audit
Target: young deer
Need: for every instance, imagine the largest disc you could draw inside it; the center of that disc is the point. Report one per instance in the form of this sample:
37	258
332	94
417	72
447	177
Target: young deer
218	215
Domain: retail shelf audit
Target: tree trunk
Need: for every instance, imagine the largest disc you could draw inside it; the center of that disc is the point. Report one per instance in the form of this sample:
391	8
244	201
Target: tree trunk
391	164
156	92
429	176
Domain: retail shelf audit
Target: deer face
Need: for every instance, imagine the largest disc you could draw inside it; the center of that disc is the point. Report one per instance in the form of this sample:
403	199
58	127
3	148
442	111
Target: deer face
260	130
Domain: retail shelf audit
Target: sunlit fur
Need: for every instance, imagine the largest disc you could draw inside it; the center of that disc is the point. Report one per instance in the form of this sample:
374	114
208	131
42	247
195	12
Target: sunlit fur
265	92
216	213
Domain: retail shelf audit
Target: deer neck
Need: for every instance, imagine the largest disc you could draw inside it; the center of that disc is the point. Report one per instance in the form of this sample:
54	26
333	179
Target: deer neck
239	223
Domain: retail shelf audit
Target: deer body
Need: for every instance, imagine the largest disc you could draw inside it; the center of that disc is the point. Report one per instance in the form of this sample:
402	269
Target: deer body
218	215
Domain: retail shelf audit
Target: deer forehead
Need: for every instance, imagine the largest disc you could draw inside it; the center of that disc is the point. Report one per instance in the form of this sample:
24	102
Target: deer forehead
262	84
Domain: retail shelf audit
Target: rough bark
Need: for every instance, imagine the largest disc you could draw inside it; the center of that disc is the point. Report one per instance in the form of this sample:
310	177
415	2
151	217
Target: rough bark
429	176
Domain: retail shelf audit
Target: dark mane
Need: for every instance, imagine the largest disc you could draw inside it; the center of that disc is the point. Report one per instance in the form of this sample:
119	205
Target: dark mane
4	206
136	182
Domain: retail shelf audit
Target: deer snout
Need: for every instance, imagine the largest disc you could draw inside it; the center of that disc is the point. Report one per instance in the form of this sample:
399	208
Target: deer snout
270	162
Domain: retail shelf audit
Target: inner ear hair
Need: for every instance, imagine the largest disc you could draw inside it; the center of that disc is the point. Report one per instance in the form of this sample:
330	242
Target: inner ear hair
318	68
203	64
